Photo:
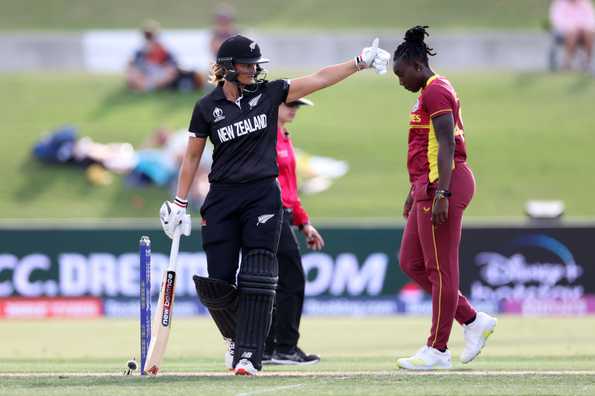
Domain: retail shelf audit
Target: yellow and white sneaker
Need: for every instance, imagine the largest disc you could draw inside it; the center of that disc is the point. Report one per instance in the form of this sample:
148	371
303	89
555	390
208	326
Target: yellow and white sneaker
427	358
476	335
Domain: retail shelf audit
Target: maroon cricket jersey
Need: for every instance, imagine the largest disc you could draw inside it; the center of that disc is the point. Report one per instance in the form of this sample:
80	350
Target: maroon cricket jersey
288	178
436	98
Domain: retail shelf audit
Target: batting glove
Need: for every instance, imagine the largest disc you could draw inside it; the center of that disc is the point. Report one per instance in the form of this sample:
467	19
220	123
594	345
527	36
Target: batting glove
173	215
380	62
373	57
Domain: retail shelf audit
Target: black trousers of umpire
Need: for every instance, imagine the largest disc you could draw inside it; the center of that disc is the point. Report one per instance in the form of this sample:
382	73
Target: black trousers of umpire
284	333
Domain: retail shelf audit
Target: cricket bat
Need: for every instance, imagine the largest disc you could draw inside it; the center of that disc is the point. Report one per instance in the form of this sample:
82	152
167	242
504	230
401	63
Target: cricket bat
163	315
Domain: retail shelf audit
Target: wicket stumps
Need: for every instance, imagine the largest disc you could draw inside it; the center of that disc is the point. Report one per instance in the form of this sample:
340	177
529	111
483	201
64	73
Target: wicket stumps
145	299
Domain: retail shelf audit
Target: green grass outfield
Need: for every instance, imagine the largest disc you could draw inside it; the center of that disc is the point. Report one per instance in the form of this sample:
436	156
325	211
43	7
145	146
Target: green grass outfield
525	356
529	136
270	14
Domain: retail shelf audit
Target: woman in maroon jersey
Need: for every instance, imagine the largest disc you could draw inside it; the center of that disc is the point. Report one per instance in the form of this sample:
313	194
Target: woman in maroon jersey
441	187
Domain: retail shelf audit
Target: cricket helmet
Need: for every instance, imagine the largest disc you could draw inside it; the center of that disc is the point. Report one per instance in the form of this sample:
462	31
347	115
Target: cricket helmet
239	49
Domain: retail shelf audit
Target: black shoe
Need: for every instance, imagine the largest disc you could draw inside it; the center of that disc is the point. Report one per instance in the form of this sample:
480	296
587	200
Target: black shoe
297	357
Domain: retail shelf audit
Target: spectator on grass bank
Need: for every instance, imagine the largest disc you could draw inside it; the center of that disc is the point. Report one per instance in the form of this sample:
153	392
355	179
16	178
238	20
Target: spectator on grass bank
152	66
156	162
574	22
224	27
166	146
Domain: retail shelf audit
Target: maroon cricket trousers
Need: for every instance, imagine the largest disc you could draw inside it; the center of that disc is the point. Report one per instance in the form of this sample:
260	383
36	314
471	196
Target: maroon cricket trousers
430	255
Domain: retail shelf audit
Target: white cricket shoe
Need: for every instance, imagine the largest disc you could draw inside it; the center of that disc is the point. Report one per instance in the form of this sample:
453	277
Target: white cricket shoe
228	357
427	358
476	335
245	367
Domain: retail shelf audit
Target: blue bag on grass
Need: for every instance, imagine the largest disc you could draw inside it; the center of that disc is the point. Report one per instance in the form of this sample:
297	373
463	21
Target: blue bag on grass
57	146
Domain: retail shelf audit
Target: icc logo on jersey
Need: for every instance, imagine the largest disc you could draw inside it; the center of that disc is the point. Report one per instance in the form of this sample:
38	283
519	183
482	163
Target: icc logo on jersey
218	114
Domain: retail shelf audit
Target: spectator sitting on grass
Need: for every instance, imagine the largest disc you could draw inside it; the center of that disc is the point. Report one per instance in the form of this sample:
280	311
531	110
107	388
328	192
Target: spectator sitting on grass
574	21
153	66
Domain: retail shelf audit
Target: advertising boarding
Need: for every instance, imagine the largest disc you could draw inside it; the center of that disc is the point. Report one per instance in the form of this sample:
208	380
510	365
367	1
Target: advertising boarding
95	272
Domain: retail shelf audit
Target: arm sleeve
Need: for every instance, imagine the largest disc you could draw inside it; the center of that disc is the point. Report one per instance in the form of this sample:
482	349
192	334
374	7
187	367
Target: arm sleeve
437	100
278	89
300	216
199	127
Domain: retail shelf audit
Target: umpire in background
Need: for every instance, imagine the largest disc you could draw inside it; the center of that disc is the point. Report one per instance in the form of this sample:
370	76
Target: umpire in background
281	345
242	212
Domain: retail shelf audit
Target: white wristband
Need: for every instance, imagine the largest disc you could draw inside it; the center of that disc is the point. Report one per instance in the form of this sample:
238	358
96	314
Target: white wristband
181	202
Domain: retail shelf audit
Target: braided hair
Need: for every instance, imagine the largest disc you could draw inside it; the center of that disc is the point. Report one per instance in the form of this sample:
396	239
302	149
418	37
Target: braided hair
414	47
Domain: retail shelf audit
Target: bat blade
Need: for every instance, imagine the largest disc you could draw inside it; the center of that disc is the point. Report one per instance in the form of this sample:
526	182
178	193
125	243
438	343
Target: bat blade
161	323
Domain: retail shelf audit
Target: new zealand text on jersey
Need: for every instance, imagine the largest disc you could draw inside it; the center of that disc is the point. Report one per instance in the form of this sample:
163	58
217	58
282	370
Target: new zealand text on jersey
243	127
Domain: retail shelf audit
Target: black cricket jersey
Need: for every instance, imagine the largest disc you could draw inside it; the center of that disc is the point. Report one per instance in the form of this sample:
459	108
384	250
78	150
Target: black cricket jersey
244	133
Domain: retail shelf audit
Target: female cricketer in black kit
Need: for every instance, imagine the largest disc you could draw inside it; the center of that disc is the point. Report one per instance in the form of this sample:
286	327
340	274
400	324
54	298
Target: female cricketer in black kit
242	212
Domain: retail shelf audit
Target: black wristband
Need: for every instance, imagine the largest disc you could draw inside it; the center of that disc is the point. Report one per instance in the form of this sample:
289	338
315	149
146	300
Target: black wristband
359	63
443	193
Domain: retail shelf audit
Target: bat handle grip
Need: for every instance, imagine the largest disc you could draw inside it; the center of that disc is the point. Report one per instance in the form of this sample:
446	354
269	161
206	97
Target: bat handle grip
175	247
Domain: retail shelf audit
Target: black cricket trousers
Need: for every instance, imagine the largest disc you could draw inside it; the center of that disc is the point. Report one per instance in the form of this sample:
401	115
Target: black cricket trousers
239	218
